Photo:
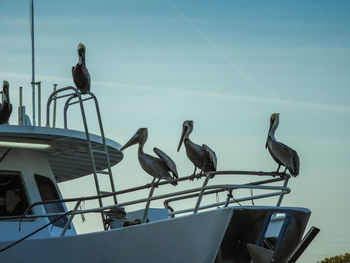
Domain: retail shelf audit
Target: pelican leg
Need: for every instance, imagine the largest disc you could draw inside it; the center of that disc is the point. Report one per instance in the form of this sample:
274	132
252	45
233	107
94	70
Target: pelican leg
201	172
152	183
285	170
155	184
194	173
279	166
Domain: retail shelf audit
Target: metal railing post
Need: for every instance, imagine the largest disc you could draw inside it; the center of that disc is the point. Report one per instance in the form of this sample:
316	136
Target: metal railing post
145	214
21	108
199	200
70	218
39	102
282	193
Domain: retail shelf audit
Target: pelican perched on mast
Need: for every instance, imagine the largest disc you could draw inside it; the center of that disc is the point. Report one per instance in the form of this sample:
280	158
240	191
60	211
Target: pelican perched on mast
202	157
80	73
280	152
5	106
159	168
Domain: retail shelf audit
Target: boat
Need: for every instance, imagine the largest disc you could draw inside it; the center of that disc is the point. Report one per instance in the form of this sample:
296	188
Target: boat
36	225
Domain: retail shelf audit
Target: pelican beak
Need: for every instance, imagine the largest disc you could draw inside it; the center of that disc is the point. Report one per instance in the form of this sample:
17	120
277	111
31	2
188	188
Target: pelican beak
272	120
5	90
182	137
132	141
267	140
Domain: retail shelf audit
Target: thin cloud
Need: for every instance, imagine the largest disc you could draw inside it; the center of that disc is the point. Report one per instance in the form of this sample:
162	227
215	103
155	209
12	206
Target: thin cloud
223	96
196	93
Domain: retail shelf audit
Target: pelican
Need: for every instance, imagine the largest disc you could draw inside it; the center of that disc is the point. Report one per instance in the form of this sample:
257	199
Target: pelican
202	157
159	168
280	152
80	73
5	106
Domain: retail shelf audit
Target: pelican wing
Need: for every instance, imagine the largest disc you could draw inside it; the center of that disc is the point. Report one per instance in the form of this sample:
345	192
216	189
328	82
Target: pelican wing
211	154
87	76
169	162
81	78
294	160
287	156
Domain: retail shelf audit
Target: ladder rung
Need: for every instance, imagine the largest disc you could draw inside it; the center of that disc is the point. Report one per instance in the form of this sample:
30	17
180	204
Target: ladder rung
99	151
102	172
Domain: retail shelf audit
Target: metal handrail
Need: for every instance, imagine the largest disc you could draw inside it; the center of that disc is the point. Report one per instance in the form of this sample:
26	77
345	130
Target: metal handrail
194	192
226	187
54	96
285	190
168	201
89	198
67	104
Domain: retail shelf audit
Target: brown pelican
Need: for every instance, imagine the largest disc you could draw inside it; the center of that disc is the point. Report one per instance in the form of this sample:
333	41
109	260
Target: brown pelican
5	106
280	152
80	73
157	167
201	156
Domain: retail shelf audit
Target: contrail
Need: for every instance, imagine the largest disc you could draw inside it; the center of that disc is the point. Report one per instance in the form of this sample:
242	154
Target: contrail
218	50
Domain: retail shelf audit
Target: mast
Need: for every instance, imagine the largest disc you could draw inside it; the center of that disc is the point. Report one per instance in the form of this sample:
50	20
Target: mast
31	3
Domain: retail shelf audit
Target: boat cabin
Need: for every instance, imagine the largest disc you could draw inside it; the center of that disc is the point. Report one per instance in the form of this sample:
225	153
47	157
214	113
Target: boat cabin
32	161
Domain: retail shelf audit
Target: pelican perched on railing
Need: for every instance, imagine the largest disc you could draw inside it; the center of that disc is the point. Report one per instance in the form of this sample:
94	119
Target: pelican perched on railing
280	152
81	76
159	168
202	157
5	106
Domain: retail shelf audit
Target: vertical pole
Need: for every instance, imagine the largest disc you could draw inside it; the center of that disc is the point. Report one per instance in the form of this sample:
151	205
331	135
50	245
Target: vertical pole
39	102
20	97
20	111
54	107
33	64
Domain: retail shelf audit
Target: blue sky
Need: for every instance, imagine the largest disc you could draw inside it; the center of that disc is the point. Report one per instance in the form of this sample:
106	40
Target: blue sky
225	64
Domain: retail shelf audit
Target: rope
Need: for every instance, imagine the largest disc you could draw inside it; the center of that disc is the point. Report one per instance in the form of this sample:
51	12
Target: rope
251	194
82	207
36	231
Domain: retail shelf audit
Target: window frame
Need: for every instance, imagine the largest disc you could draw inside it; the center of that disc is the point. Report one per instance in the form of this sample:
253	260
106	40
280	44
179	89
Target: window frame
59	205
26	193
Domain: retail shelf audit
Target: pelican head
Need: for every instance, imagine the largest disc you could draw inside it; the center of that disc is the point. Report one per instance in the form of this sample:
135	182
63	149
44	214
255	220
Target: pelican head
5	89
274	120
81	52
81	49
187	128
139	137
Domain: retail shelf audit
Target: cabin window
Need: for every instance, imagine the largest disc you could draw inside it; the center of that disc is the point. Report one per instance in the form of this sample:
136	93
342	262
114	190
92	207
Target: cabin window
13	197
48	191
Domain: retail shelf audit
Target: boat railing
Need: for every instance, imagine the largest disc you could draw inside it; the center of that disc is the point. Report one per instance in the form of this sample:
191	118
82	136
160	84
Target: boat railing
197	192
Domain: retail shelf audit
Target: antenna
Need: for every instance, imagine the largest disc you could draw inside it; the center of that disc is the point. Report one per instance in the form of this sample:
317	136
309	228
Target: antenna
31	3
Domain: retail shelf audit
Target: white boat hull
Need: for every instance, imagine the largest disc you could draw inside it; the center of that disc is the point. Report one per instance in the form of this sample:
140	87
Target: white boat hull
193	238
